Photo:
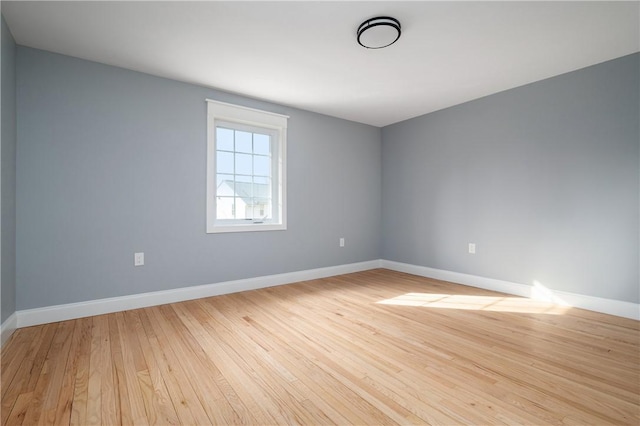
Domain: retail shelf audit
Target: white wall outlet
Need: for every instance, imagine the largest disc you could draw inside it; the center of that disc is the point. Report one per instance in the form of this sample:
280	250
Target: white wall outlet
341	242
472	248
138	259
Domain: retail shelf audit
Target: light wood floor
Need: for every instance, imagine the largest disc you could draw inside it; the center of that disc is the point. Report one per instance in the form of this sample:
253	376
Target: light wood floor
375	347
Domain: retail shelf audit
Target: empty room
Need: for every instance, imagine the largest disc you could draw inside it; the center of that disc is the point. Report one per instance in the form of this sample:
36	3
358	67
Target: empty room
331	212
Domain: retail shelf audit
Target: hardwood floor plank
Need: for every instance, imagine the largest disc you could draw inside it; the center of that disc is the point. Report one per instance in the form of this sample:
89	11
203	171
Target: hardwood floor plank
58	359
236	412
169	341
123	401
131	394
62	408
211	397
18	411
94	387
158	405
109	391
13	357
258	404
374	347
310	378
17	366
275	379
81	376
45	362
185	405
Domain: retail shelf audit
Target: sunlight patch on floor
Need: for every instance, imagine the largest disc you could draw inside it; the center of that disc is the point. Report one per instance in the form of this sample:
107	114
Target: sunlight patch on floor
477	303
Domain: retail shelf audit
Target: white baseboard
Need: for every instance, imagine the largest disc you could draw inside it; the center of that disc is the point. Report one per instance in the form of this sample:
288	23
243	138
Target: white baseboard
7	328
29	317
597	304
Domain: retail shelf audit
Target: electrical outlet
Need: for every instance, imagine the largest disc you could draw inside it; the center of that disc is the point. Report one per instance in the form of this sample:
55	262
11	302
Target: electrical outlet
341	242
138	259
472	248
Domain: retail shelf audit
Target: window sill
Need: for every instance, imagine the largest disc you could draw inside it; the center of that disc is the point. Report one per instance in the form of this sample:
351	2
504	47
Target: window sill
252	227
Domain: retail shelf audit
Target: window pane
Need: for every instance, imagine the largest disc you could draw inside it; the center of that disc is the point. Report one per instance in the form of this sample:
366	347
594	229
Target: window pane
243	142
243	208
225	208
261	144
261	190
262	208
225	185
224	139
261	165
243	190
264	180
224	162
243	164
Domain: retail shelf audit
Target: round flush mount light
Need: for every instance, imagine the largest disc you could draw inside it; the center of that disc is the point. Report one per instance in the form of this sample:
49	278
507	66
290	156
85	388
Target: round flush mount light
376	33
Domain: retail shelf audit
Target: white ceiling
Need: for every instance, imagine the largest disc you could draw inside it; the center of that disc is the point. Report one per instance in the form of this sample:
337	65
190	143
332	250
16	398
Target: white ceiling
305	54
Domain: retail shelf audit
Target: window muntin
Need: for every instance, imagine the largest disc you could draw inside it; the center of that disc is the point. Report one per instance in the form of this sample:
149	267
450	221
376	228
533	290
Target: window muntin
245	169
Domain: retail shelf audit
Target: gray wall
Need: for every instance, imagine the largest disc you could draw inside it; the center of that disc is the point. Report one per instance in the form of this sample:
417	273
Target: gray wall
8	177
111	162
543	178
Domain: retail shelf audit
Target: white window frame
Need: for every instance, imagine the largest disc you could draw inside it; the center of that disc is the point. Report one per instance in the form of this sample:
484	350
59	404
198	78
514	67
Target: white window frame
276	125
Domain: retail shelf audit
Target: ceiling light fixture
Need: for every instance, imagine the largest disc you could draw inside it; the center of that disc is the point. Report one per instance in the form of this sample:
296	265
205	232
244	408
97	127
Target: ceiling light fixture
376	33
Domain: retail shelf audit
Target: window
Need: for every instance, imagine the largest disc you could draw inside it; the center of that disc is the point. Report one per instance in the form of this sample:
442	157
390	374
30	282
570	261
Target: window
246	169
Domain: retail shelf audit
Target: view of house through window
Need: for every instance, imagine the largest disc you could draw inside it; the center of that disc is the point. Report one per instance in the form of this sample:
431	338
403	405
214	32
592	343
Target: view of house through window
243	178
